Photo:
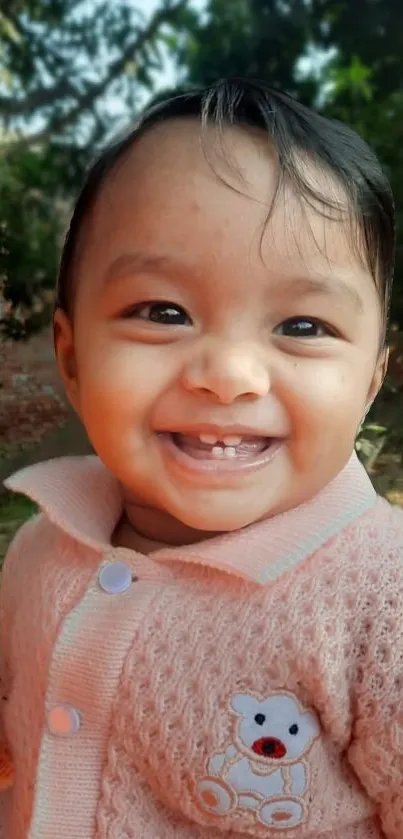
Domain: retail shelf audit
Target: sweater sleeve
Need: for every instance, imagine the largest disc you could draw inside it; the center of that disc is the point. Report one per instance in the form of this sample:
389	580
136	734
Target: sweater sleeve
376	749
6	616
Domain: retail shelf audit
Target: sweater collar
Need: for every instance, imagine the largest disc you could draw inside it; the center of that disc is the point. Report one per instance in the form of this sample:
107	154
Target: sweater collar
82	498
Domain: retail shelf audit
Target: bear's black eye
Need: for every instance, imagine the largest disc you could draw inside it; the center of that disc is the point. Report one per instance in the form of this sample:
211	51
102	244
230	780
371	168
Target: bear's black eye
294	729
260	719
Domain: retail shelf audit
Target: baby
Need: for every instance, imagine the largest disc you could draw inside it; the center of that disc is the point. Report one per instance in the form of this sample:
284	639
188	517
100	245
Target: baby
202	630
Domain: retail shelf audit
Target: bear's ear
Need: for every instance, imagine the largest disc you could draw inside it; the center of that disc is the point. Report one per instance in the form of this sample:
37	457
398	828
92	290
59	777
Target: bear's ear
244	704
312	722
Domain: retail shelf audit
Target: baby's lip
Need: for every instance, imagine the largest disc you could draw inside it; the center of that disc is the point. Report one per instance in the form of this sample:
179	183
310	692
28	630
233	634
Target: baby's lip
220	431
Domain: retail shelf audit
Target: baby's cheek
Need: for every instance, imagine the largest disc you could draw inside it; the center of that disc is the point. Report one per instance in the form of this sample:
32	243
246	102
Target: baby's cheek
124	373
328	393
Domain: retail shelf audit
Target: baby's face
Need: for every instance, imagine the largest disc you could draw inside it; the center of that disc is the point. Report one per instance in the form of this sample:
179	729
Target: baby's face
224	362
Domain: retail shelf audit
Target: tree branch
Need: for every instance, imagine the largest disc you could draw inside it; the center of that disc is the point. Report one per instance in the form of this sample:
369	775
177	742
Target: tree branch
44	97
9	147
116	68
38	99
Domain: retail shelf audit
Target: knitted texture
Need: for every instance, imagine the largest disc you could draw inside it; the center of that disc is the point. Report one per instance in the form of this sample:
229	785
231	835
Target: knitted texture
313	635
210	705
36	593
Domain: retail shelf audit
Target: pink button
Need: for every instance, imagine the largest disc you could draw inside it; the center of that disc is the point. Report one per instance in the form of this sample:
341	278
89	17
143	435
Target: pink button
63	721
115	578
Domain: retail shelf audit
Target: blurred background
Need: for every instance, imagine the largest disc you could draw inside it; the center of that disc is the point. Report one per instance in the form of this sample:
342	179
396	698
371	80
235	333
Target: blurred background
74	74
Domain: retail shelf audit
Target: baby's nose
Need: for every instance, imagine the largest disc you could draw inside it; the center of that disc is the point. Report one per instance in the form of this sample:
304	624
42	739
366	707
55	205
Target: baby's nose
228	373
269	747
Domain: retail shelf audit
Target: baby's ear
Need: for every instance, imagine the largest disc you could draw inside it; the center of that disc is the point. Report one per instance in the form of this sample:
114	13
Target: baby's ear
244	704
65	355
378	377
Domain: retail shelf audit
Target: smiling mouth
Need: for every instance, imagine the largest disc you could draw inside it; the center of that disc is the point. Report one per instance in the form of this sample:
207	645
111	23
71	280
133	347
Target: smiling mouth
233	453
206	446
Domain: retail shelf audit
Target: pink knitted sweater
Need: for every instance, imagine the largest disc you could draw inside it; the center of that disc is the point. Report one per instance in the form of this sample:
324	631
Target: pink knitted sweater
248	686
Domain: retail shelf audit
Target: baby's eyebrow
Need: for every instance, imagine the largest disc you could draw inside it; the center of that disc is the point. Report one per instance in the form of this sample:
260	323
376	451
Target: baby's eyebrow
333	286
138	261
329	286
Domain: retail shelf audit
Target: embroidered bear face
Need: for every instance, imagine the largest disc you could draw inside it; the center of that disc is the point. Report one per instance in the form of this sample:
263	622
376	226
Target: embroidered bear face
274	730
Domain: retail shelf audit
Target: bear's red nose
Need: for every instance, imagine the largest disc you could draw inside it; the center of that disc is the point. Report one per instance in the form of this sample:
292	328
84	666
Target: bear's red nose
269	747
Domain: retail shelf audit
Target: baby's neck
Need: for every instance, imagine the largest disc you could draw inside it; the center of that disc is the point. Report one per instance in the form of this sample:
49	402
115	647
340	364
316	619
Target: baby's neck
126	537
146	530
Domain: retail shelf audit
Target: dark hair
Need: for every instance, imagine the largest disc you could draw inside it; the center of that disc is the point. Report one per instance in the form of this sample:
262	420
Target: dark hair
296	133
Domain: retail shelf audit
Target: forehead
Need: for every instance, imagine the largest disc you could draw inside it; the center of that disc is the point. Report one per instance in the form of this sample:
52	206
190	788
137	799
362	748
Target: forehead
177	190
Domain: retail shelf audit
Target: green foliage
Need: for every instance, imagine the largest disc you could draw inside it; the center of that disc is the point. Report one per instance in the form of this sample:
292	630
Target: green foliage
62	61
16	508
74	72
71	74
31	225
254	38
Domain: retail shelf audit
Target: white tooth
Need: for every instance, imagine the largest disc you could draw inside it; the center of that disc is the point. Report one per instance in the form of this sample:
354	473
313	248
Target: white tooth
232	440
230	451
209	439
217	451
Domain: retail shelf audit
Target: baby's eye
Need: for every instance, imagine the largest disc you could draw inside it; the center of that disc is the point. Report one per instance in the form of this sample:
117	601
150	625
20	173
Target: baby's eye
303	327
164	313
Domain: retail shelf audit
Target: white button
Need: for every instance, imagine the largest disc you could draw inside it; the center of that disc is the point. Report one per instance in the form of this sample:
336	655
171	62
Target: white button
115	578
63	720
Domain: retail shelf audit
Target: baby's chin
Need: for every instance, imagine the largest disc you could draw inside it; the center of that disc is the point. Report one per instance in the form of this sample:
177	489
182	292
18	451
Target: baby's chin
173	510
184	524
190	516
227	512
221	519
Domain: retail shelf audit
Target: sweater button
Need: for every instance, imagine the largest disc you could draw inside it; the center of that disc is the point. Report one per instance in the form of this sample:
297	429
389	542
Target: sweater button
63	721
115	578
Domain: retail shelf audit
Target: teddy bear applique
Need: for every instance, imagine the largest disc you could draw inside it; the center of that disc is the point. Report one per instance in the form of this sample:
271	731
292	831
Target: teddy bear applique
265	768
